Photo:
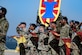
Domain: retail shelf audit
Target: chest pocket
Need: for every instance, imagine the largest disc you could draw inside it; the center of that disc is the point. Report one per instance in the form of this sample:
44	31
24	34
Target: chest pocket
63	30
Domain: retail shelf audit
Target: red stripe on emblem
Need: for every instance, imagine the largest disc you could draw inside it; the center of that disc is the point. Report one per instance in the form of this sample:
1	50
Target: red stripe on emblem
42	11
51	20
44	20
50	0
57	4
55	11
43	3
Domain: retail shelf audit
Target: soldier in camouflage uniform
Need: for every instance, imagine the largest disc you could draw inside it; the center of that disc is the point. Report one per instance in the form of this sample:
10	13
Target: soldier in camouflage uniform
32	43
3	29
22	31
71	24
77	23
64	35
21	28
76	41
53	39
43	41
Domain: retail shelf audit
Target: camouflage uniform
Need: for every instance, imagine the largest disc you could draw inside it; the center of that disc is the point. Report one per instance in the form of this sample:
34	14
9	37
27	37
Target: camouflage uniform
22	32
76	45
22	44
3	31
65	40
51	40
58	26
75	49
64	33
31	48
43	44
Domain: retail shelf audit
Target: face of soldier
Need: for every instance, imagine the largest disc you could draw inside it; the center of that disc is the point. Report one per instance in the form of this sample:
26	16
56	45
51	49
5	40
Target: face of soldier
74	29
63	21
76	24
31	27
52	25
23	26
71	24
41	29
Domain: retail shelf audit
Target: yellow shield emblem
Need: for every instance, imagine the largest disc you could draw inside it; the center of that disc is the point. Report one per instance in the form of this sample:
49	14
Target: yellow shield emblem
49	10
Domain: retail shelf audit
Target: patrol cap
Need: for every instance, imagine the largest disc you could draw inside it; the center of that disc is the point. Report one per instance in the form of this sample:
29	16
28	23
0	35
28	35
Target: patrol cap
34	25
3	9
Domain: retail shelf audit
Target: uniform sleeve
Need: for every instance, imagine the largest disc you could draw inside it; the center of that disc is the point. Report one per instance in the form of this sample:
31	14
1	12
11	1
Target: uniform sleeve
5	26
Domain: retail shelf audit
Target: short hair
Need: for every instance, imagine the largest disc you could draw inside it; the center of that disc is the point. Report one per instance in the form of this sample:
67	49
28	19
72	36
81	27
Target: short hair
42	25
65	18
34	25
77	22
3	10
23	23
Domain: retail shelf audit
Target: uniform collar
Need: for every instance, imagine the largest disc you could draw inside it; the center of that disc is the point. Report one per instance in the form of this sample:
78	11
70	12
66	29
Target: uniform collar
2	18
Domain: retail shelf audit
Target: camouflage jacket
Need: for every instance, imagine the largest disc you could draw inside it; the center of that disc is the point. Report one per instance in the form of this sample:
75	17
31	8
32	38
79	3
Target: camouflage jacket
41	42
64	32
3	28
